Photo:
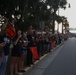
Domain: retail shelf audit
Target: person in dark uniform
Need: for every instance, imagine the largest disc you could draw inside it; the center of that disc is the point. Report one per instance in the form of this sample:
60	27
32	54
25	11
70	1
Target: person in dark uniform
31	39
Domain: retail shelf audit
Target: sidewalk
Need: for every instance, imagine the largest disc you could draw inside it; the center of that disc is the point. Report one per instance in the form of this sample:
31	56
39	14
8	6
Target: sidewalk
41	65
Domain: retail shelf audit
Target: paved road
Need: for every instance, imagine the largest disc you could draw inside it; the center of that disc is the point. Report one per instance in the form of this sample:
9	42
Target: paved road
61	61
65	62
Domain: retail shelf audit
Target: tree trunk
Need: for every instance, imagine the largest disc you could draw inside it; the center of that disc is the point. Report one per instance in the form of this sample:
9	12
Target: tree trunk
53	29
62	27
65	29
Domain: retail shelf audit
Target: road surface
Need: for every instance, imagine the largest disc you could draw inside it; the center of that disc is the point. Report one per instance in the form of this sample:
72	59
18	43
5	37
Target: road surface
61	61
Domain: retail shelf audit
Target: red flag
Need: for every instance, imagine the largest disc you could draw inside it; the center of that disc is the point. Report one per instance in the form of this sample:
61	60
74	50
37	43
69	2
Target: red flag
52	43
10	32
34	52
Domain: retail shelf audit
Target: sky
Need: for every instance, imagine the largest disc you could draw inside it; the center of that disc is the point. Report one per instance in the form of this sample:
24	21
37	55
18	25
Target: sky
70	13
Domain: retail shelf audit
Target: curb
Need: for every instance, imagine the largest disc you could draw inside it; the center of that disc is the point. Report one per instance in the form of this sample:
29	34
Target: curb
28	68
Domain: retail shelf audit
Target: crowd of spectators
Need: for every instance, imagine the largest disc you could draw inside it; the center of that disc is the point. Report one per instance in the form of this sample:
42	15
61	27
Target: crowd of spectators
21	44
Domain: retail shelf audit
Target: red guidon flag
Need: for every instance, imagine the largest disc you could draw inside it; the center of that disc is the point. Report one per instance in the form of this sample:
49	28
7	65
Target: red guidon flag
34	52
10	32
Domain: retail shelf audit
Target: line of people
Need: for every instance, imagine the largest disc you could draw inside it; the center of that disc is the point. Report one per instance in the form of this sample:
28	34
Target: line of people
21	47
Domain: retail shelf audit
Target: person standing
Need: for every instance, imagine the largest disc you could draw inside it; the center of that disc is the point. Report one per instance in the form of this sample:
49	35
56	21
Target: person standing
4	48
31	38
15	53
24	45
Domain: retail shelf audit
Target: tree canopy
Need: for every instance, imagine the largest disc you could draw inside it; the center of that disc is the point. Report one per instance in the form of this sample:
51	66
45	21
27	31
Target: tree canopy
30	12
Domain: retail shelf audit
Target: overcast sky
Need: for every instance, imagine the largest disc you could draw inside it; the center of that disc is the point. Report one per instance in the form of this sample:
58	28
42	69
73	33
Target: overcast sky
70	13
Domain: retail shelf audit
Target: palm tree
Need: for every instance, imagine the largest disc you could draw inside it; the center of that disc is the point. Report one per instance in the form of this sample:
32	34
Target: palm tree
63	22
56	5
59	20
66	25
